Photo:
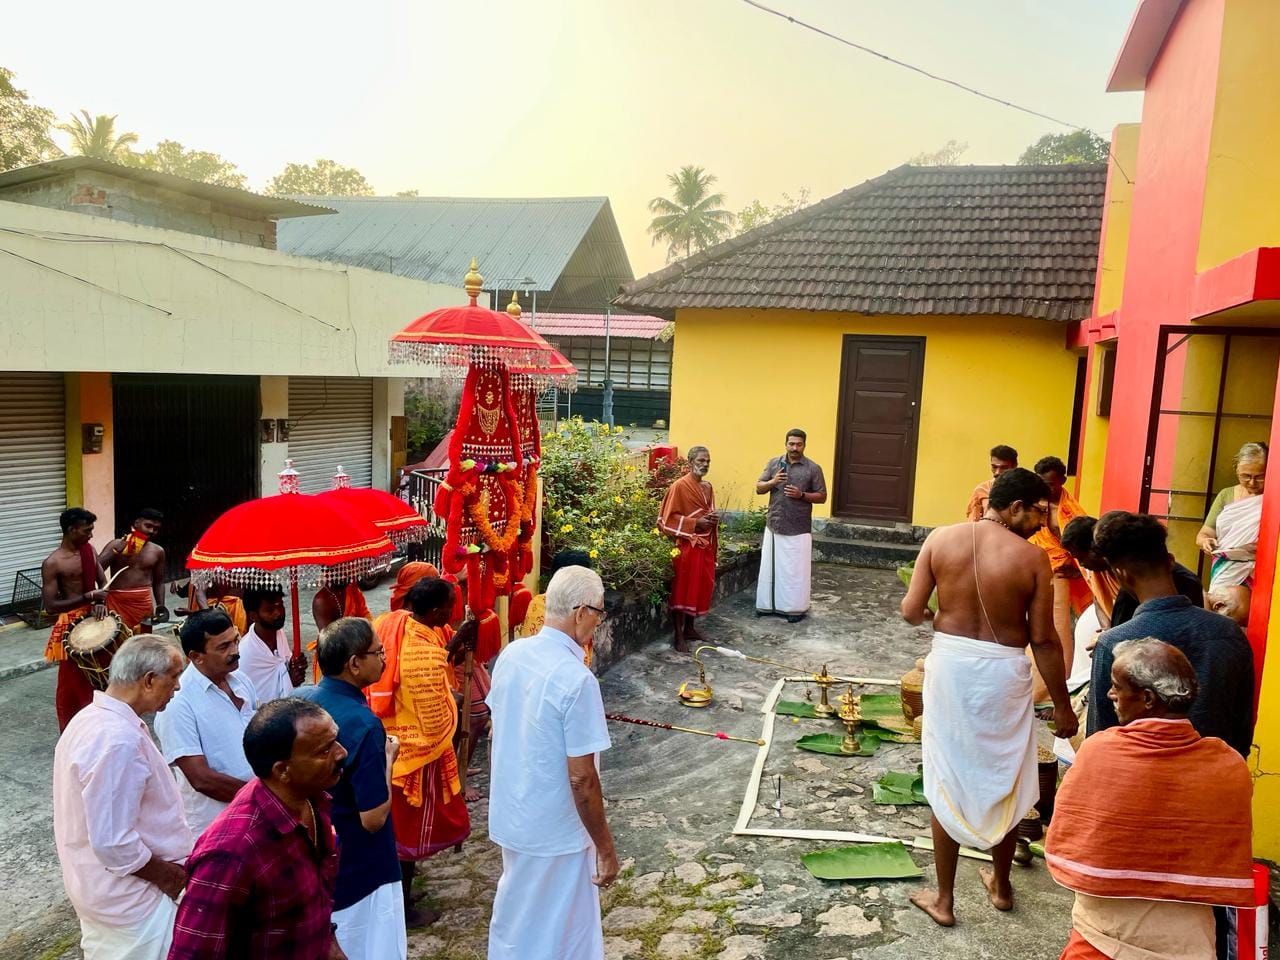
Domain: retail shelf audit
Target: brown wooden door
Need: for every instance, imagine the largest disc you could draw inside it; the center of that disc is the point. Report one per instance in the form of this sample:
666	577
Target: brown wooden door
879	419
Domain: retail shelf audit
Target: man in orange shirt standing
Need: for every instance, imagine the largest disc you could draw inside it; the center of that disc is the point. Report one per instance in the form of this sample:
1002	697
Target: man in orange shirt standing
1003	459
1071	594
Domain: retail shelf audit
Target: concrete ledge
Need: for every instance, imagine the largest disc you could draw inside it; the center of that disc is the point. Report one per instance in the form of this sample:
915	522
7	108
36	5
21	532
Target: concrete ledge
634	623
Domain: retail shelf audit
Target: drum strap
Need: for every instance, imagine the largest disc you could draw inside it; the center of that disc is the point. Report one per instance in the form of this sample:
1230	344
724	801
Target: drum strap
88	569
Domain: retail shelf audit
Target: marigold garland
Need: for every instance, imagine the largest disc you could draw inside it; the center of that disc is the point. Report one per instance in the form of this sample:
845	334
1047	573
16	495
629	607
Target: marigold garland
511	528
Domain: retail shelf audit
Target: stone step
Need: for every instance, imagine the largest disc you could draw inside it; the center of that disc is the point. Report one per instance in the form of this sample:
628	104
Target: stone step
863	553
900	533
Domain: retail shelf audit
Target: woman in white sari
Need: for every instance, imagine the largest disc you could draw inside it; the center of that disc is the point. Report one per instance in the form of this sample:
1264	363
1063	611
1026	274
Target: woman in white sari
1230	531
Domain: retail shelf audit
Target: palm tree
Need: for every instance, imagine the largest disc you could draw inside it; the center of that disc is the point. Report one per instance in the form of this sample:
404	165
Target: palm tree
96	137
693	218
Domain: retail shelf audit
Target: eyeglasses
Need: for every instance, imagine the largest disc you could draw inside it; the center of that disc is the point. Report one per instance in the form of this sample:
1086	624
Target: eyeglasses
598	611
380	652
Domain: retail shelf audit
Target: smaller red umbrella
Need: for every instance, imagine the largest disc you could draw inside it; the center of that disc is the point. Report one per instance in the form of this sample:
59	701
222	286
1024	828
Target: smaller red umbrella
289	538
558	371
398	521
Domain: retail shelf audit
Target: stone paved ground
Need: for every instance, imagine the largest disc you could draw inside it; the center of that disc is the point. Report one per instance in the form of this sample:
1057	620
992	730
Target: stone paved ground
691	888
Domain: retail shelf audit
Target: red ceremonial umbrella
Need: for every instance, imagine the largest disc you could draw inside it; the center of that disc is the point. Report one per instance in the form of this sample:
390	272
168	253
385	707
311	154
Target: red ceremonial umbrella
459	337
398	521
558	371
291	537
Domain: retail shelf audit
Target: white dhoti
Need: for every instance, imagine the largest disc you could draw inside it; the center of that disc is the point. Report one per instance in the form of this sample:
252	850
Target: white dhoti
148	939
979	744
546	908
373	928
786	565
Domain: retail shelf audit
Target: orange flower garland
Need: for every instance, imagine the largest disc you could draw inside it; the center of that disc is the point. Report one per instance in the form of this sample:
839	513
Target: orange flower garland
511	529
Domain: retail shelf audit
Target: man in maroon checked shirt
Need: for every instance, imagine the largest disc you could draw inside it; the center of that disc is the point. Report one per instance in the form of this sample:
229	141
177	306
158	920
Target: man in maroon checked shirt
260	880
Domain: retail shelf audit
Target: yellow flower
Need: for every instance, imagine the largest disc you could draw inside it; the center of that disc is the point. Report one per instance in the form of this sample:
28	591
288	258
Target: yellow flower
675	551
567	528
654	531
631	468
617	499
593	554
617	429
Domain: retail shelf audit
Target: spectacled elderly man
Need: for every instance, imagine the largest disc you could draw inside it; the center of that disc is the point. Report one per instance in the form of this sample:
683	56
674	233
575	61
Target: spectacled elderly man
117	815
546	810
1152	824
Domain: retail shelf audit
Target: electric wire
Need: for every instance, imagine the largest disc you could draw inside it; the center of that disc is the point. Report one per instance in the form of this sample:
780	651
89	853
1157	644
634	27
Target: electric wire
930	75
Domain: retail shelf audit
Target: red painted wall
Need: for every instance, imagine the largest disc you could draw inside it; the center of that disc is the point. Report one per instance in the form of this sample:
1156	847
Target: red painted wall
1173	151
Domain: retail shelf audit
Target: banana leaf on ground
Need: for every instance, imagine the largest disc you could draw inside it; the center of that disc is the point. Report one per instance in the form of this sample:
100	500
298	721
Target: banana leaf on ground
869	861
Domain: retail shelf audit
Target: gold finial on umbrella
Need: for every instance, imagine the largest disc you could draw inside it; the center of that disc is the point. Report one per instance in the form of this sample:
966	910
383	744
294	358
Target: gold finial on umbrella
473	282
513	308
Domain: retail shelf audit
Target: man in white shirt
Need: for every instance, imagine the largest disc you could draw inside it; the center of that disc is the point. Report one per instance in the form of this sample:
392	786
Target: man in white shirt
202	731
117	817
264	652
546	809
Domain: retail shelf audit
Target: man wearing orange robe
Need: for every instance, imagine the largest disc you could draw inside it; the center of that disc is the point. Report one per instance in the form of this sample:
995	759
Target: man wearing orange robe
689	517
333	602
1077	538
1071	594
1152	824
69	581
415	701
1003	459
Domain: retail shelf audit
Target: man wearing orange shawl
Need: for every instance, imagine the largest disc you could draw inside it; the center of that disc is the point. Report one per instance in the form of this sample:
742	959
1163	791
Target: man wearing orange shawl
1071	594
1003	459
1152	824
69	579
333	602
414	699
689	517
1077	539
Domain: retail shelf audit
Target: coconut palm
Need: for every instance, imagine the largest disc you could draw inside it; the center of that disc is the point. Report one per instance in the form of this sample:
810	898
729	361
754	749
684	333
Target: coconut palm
96	137
693	218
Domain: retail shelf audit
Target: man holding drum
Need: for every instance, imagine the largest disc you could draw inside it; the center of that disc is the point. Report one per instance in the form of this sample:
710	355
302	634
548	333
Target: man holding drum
137	568
69	579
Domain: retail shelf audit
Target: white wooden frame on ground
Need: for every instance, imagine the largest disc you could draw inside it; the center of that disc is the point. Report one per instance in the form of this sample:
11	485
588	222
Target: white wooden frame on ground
743	829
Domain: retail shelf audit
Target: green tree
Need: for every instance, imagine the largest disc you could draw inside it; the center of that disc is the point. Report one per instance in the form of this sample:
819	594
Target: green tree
324	178
24	127
756	214
169	156
97	137
1079	146
948	155
693	218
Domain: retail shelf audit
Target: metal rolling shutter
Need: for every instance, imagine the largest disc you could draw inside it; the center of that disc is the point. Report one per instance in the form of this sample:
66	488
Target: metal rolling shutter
331	424
33	471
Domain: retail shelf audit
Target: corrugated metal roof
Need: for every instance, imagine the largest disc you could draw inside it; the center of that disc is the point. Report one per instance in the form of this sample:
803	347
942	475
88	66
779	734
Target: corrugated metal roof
592	325
231	196
571	241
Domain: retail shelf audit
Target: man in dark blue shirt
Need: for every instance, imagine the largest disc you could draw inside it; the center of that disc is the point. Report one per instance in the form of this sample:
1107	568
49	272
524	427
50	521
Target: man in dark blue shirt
368	902
1135	547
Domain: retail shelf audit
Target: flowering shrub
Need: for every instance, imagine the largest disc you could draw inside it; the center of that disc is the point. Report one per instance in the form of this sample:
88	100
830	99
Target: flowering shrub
600	497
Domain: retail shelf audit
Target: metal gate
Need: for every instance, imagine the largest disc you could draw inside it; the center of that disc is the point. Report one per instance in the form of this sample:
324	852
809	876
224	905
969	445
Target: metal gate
1214	390
33	463
186	445
331	425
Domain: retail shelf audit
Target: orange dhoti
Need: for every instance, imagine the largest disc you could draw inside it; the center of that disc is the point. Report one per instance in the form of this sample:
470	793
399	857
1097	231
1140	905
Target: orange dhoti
73	691
415	699
1078	948
132	606
695	578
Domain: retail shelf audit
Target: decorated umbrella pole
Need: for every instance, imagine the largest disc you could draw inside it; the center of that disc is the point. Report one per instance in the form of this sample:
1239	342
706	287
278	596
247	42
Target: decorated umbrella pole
291	538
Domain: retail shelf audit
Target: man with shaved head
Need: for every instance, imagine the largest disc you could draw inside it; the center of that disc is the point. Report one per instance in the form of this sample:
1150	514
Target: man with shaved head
1149	892
689	517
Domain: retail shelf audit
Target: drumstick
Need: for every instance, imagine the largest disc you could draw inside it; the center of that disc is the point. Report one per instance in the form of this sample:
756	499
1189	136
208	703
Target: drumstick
111	579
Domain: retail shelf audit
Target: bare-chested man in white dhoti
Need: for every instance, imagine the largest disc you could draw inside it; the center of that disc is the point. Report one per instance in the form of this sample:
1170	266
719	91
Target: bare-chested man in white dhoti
995	595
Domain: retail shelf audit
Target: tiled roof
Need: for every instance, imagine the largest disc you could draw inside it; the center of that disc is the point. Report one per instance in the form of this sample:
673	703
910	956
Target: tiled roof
1019	241
592	325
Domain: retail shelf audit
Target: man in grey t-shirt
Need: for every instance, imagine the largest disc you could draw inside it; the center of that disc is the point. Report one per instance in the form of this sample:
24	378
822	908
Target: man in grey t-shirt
793	483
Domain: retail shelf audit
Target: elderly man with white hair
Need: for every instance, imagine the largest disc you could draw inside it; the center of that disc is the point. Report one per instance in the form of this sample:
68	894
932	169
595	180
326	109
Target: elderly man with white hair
546	810
1152	825
117	815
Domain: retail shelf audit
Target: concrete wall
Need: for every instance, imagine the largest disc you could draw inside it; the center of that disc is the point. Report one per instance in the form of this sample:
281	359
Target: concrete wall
166	302
109	197
987	380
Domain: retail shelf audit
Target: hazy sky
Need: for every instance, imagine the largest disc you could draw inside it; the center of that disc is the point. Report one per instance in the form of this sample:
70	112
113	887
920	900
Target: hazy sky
575	97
